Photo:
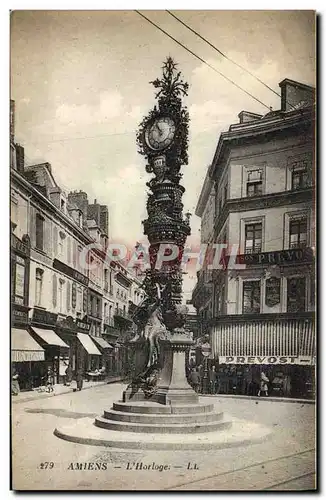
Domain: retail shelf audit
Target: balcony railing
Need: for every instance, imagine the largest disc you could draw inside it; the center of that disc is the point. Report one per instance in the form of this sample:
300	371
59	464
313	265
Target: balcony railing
121	313
108	321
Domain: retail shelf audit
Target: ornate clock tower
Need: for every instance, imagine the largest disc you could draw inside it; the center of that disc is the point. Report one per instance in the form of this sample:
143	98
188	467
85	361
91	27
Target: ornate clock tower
163	141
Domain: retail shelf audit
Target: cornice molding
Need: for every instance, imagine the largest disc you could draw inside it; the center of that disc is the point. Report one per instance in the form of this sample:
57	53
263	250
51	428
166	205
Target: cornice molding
271	200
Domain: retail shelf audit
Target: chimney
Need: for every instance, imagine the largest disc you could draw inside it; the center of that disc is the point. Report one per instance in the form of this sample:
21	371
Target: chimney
295	95
247	116
20	158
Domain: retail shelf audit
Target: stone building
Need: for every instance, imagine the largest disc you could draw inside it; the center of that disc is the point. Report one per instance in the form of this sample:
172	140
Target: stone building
64	290
260	313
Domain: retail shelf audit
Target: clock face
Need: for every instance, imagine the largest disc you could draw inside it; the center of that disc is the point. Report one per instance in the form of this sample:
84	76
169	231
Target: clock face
159	134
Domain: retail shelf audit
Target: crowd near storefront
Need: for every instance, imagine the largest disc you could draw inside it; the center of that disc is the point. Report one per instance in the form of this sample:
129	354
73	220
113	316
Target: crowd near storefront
69	303
258	307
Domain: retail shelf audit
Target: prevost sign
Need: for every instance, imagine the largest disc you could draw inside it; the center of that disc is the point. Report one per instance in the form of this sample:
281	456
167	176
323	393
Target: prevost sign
279	257
266	360
69	271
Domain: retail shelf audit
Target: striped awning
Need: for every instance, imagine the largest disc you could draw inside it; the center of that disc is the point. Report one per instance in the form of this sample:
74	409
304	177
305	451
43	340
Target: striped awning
50	337
24	347
88	344
102	343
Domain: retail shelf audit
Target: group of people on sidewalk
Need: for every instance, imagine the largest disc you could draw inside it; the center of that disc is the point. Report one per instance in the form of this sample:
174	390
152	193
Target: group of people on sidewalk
210	381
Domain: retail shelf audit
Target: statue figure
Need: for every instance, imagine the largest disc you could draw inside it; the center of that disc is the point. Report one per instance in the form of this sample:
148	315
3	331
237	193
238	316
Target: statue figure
151	328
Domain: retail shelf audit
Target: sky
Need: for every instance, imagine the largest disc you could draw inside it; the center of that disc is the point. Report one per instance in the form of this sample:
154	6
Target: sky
80	81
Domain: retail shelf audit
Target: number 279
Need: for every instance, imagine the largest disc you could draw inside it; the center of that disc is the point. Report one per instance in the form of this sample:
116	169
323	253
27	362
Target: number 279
47	465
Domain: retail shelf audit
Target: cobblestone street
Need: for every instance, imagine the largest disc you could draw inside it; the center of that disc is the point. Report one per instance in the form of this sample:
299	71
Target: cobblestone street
286	460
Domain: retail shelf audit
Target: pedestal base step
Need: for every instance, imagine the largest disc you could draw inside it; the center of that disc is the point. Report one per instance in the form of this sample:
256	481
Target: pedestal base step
162	428
84	431
157	418
150	407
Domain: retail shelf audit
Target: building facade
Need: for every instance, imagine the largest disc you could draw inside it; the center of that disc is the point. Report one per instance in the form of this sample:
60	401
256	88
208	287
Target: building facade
262	308
69	302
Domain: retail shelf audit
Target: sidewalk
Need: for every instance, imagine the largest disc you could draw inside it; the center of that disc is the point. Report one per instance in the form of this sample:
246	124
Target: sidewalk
61	389
261	398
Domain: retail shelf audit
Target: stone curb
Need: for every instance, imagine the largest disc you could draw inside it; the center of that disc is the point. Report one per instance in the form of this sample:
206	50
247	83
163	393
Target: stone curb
259	398
67	391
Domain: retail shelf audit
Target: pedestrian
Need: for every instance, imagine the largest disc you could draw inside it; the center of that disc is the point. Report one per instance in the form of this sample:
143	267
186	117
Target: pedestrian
79	380
68	374
49	380
15	389
195	379
263	384
247	382
212	377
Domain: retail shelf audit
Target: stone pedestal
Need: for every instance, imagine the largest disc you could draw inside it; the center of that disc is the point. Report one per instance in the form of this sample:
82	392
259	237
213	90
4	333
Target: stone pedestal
173	387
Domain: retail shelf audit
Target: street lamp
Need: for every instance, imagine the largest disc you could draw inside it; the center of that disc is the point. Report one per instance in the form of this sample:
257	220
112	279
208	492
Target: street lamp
206	350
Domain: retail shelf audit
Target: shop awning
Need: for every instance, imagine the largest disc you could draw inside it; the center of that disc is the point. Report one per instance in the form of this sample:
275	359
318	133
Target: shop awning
24	347
102	343
88	344
50	337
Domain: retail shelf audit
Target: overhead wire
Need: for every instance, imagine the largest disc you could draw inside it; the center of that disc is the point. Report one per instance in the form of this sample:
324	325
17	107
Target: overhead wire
203	60
225	56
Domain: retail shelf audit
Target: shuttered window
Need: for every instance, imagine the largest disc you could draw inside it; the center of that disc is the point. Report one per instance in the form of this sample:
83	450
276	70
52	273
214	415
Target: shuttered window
68	296
54	290
55	241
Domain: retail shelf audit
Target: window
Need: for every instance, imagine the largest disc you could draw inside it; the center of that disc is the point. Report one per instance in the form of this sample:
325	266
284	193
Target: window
38	286
39	231
62	205
61	283
62	237
253	238
79	299
296	294
255	183
13	209
73	295
68	296
251	297
300	177
54	290
298	233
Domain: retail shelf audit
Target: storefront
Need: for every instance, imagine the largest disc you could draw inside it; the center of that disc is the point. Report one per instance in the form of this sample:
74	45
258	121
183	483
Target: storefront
27	355
283	348
27	358
43	324
106	350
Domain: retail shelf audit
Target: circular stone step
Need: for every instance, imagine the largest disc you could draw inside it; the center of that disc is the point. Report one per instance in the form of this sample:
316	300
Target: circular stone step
180	428
150	407
83	431
157	418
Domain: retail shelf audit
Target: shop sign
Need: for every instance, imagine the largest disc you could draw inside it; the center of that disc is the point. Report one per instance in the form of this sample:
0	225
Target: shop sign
20	279
19	316
69	271
260	360
82	326
44	317
273	289
20	246
279	257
